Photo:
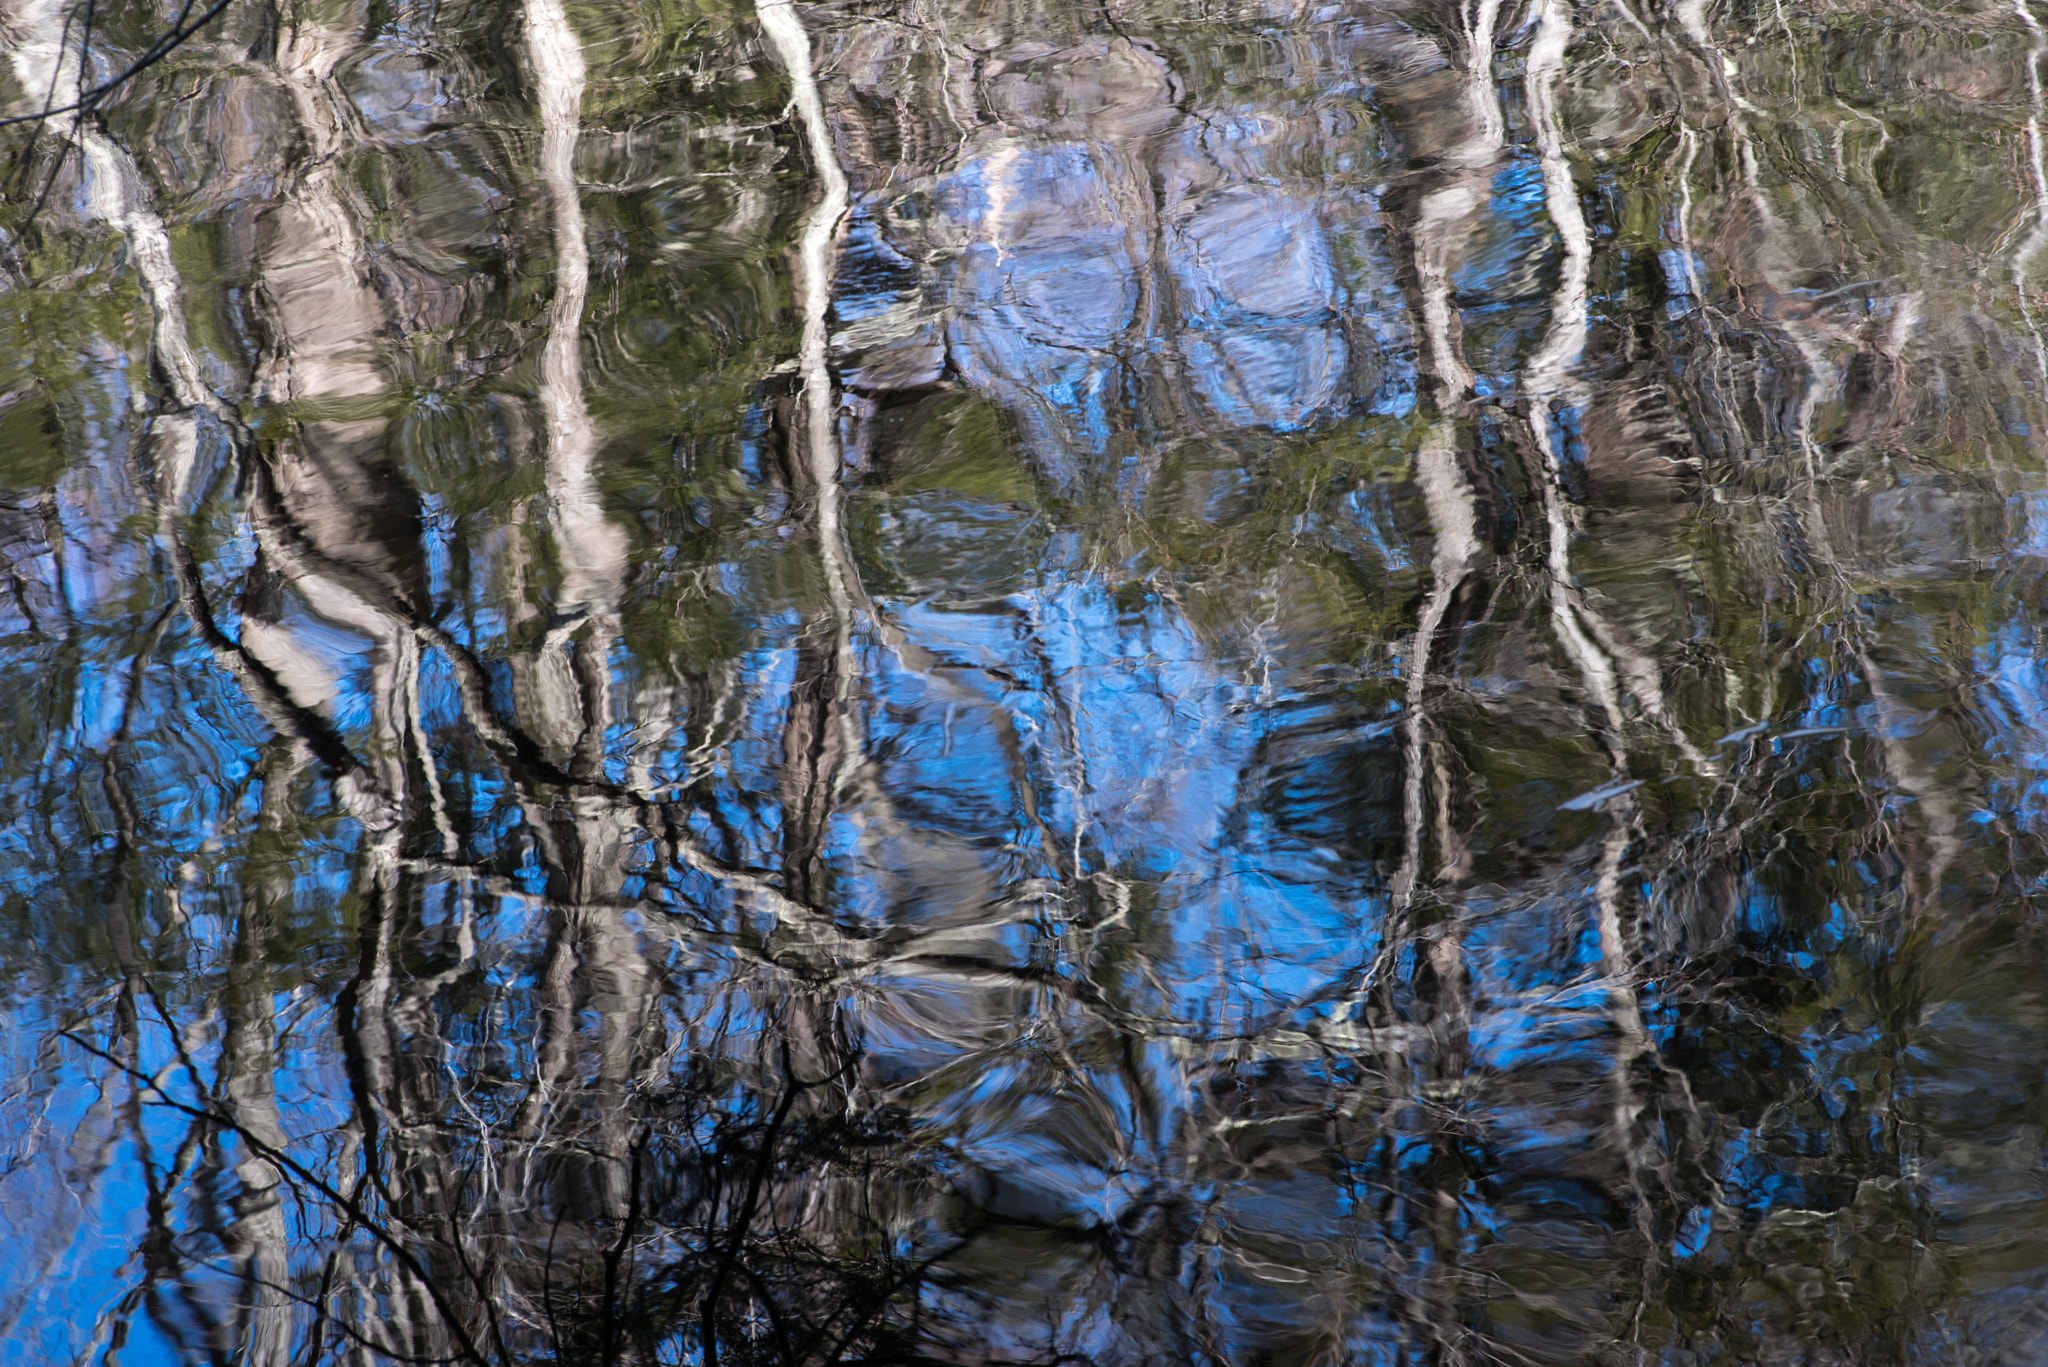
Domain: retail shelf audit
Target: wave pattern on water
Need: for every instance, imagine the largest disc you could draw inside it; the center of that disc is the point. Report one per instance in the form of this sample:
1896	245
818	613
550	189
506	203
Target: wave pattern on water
942	682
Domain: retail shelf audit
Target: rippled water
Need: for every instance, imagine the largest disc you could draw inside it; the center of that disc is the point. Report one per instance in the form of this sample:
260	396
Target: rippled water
967	681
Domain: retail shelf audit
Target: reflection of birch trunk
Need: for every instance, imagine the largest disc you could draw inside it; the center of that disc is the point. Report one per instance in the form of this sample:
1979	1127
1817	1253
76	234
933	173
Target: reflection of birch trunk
49	66
337	524
590	546
2037	168
822	740
792	45
1547	372
571	690
362	1022
1599	648
1548	376
1445	211
116	196
1437	229
257	1236
330	515
584	838
785	33
1438	225
1448	496
823	746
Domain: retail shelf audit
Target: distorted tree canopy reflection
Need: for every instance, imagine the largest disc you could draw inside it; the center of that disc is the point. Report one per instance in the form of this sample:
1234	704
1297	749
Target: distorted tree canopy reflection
960	681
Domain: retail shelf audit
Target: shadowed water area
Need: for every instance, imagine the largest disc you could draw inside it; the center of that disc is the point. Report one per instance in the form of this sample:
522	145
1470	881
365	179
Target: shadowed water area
1023	682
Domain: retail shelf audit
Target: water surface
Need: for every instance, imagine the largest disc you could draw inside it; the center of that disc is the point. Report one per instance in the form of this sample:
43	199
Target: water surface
981	681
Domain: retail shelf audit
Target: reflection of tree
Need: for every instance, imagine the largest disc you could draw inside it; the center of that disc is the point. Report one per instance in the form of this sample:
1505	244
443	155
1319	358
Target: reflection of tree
688	1006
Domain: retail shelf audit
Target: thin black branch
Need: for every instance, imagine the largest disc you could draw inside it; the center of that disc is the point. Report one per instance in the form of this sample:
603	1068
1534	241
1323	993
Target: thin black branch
284	1161
157	51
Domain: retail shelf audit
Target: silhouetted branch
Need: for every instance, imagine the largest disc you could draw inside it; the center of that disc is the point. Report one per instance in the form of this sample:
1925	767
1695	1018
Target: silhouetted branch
156	52
286	1163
